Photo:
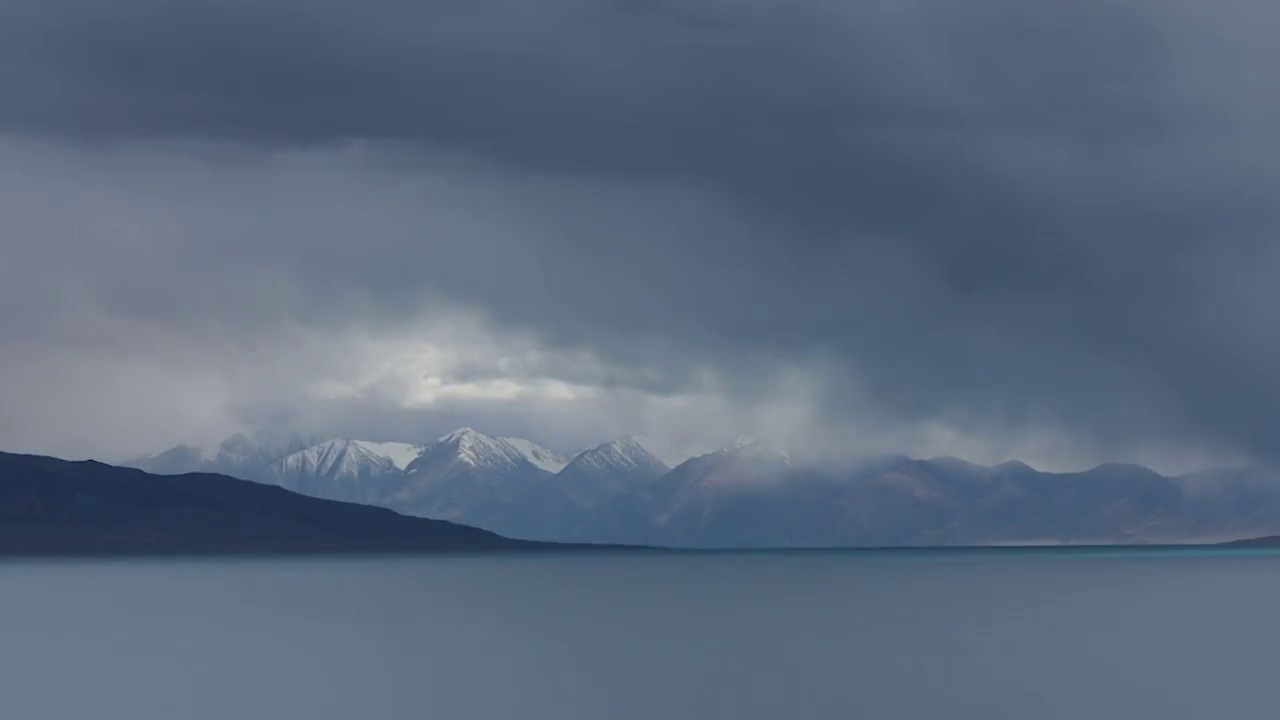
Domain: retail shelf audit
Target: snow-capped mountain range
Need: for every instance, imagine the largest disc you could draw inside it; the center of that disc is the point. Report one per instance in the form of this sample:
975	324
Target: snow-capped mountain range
344	455
465	475
342	469
746	494
480	450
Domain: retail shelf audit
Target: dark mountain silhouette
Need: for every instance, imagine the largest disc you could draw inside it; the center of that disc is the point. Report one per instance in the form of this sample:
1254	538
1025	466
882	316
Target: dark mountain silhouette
50	506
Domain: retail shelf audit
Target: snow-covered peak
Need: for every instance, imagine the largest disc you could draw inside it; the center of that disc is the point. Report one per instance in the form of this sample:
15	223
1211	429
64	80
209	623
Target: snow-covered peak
400	454
462	434
344	456
629	443
473	446
538	455
626	454
480	450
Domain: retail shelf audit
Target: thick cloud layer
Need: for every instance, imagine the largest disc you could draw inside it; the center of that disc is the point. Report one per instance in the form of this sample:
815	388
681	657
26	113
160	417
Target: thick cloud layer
1029	224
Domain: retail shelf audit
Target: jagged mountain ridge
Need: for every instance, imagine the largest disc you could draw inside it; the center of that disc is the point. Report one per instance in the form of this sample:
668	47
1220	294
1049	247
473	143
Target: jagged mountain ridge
593	499
479	450
472	477
749	494
626	454
345	469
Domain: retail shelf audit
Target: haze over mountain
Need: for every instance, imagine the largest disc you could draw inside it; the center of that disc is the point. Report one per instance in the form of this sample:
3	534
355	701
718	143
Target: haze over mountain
751	493
428	274
1042	230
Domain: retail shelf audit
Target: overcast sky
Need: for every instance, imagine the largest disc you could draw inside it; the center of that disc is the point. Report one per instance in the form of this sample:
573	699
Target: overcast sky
991	228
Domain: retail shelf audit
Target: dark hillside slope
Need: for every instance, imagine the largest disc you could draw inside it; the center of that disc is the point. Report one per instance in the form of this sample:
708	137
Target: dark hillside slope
50	506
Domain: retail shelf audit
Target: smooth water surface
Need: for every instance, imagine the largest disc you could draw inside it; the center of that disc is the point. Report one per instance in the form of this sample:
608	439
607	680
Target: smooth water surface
1018	636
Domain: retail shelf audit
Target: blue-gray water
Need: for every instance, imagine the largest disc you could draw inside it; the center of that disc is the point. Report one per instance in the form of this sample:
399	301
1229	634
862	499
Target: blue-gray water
1017	636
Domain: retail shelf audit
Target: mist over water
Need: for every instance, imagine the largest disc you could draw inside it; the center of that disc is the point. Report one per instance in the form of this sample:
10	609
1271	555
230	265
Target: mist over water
895	635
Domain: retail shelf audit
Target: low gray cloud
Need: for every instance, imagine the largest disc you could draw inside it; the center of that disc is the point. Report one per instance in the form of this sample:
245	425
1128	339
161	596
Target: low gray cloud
1014	219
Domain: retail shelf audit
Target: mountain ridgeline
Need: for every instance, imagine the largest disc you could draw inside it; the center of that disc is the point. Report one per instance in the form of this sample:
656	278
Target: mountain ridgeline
748	495
56	507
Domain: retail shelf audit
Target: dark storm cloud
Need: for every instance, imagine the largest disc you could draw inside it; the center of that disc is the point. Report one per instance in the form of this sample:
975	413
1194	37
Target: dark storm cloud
1002	213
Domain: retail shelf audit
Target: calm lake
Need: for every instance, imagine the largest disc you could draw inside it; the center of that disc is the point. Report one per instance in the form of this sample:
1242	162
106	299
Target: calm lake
1023	636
